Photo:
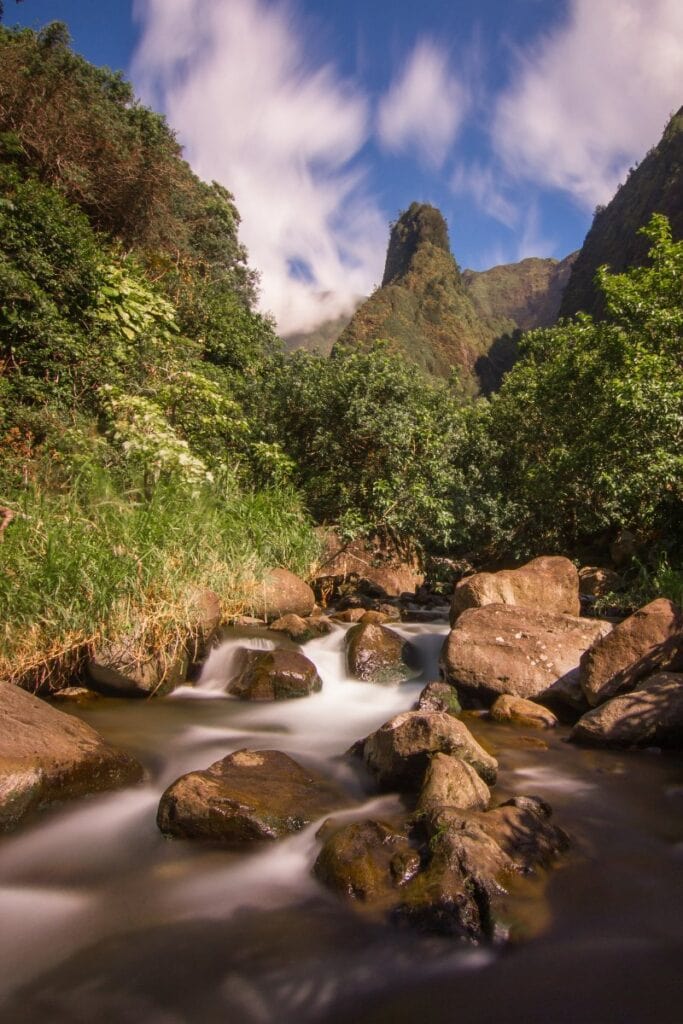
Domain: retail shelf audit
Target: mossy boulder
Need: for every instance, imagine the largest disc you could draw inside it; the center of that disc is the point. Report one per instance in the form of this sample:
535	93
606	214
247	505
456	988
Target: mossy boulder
367	861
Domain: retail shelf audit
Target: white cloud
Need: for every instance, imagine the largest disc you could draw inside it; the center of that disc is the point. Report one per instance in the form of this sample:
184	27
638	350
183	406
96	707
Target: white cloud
593	96
478	182
281	134
424	106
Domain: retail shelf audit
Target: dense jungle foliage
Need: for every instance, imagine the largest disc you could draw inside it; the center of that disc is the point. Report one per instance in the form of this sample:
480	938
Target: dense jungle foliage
155	434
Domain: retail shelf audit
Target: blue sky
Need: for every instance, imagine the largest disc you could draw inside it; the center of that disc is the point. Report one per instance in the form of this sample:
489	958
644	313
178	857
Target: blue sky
514	117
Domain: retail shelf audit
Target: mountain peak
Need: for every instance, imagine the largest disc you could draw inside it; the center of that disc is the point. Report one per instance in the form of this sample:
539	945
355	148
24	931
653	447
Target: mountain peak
419	225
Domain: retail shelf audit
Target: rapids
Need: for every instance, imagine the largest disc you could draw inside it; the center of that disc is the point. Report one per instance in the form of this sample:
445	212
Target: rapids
105	920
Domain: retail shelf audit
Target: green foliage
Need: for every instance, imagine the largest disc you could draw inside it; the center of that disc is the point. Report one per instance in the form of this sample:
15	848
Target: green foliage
587	428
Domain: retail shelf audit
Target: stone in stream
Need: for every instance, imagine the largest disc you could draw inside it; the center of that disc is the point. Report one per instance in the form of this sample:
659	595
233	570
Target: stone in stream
274	675
47	756
302	630
367	861
120	670
548	584
521	651
452	782
376	654
281	593
524	712
248	796
438	696
634	649
650	715
398	754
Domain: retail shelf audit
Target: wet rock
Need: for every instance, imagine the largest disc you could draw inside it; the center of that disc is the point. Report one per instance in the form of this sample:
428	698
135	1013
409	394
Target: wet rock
75	695
631	651
598	582
524	712
274	675
549	584
367	861
438	696
398	754
376	654
451	782
522	829
47	756
650	715
127	669
373	618
281	593
248	796
521	651
441	899
349	615
302	630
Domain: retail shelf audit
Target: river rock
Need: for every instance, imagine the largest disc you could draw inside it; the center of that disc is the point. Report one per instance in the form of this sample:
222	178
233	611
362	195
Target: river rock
379	565
549	584
121	669
367	861
281	593
349	615
302	630
376	654
522	651
398	754
47	756
650	715
438	696
451	782
630	652
248	796
274	675
524	712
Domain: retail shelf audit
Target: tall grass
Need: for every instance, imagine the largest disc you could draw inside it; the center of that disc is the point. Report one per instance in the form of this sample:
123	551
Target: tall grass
645	583
99	563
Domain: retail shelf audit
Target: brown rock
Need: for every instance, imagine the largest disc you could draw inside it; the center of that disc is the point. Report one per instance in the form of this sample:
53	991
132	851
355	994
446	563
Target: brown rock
399	752
367	861
120	669
438	696
374	618
297	629
349	615
388	566
47	756
632	650
274	675
549	584
516	709
651	715
501	649
597	582
281	593
379	655
451	782
248	796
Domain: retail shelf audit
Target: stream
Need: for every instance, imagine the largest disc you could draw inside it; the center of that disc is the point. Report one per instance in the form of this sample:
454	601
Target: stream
104	920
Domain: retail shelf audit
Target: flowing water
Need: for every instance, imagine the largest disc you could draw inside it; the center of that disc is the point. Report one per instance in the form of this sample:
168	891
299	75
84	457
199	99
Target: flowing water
103	920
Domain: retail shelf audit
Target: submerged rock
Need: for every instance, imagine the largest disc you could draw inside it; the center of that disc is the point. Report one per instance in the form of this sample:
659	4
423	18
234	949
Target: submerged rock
281	593
630	652
650	715
274	675
248	796
549	584
398	754
524	712
47	756
376	654
521	651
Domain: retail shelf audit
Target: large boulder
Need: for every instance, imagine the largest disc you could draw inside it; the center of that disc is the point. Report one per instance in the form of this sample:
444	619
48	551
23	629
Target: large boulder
632	650
550	584
379	564
502	649
398	754
522	712
651	715
376	654
248	796
452	782
47	756
281	593
274	675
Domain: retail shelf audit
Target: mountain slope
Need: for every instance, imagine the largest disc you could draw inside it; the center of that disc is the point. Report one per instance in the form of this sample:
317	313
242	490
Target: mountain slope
655	186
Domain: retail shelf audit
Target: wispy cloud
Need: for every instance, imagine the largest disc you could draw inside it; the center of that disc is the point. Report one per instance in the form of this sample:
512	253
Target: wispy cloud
424	107
281	133
593	95
480	183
